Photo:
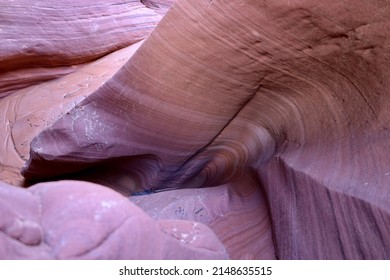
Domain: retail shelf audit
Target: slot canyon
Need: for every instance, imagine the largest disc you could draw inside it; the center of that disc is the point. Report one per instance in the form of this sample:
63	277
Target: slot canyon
195	129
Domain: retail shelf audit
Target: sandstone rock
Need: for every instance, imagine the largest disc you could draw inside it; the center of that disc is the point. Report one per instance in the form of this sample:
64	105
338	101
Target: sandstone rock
294	92
79	220
29	111
11	81
64	33
160	6
21	235
237	212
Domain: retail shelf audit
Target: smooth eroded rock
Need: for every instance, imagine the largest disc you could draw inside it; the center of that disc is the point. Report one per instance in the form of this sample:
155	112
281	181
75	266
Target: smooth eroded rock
296	92
80	220
57	34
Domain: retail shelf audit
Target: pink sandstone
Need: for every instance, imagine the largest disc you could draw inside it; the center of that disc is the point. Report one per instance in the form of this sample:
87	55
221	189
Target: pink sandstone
271	115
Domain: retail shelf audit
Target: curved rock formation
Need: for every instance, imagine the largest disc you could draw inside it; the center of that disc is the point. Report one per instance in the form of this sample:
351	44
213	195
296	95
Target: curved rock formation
25	117
57	34
288	97
160	6
54	221
237	212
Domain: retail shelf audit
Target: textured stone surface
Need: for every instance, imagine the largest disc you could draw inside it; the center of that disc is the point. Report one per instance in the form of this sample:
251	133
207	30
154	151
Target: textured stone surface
160	6
294	92
79	220
30	110
64	33
237	212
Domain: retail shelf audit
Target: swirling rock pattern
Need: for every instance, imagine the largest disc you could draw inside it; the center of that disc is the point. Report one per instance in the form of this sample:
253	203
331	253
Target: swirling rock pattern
288	97
29	111
160	6
64	33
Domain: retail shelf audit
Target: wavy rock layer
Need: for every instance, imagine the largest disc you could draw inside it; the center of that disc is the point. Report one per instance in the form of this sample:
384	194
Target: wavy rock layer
64	33
29	111
295	92
160	6
184	93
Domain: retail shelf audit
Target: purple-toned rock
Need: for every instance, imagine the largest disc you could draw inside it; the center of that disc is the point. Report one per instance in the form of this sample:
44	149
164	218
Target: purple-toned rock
160	6
64	33
237	212
293	92
29	111
80	220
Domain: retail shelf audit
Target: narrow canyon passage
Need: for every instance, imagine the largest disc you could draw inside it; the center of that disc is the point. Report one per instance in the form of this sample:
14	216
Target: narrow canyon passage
203	129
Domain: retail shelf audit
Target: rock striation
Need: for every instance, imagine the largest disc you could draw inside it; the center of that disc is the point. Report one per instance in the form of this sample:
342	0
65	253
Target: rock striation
60	34
271	117
160	6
